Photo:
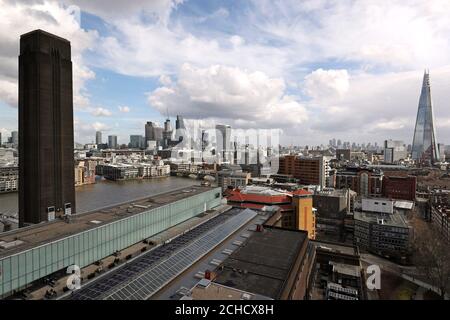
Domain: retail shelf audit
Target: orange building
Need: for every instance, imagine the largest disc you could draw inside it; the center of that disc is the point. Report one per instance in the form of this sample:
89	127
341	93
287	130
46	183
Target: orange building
305	218
295	209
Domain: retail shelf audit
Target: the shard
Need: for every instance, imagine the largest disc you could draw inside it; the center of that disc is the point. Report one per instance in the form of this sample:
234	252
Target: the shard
425	148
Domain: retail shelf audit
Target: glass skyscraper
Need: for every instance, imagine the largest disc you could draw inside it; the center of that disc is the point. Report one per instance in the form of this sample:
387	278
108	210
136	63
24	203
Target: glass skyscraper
425	149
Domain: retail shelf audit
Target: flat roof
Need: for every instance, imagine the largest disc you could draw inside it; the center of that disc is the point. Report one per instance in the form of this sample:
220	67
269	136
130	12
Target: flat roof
264	263
394	219
403	204
48	34
347	269
216	291
334	247
42	233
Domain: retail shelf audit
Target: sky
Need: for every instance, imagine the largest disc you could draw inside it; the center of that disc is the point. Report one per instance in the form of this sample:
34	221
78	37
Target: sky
316	69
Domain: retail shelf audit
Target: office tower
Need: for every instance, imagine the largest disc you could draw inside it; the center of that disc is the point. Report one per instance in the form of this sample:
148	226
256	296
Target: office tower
112	142
153	133
167	133
441	148
158	135
46	164
180	129
15	138
0	139
223	135
394	150
179	123
98	137
149	134
308	170
424	148
137	141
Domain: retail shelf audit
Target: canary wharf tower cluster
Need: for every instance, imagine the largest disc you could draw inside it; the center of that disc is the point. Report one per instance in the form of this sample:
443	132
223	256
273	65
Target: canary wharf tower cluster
425	148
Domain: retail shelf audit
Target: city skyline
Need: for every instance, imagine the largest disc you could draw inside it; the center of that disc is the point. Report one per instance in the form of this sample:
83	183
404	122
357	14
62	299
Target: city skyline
366	91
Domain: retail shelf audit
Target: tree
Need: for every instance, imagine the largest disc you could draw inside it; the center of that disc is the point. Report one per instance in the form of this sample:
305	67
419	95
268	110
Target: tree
432	257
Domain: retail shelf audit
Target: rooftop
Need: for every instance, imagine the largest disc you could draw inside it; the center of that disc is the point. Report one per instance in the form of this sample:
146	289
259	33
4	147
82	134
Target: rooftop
333	192
395	219
36	235
347	269
207	290
265	195
264	263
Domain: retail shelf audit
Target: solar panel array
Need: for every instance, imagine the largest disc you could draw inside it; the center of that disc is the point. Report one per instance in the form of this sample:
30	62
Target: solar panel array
108	283
158	275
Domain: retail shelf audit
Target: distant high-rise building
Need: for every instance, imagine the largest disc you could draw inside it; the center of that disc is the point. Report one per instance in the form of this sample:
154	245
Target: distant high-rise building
180	129
0	139
441	147
167	133
425	149
179	123
309	170
394	150
153	133
46	164
137	141
223	141
158	134
112	142
149	135
15	138
98	137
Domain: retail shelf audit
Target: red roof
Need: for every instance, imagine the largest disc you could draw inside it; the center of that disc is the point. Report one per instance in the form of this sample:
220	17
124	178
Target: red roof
237	196
301	192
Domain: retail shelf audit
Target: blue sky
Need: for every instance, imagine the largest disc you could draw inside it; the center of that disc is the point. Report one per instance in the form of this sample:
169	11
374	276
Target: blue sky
316	69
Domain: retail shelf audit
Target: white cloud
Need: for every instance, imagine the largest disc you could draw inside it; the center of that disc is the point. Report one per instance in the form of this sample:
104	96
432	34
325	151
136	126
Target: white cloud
390	125
124	109
49	16
9	92
322	84
156	10
237	40
249	99
397	34
165	80
4	133
101	112
85	131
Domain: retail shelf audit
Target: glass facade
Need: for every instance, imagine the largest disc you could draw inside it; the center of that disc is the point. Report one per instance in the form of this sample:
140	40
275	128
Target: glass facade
424	149
82	249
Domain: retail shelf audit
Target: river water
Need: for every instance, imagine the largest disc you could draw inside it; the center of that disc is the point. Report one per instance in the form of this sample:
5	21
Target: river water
107	193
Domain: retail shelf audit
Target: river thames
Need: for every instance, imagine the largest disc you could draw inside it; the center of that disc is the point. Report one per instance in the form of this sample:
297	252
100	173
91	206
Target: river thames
106	193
